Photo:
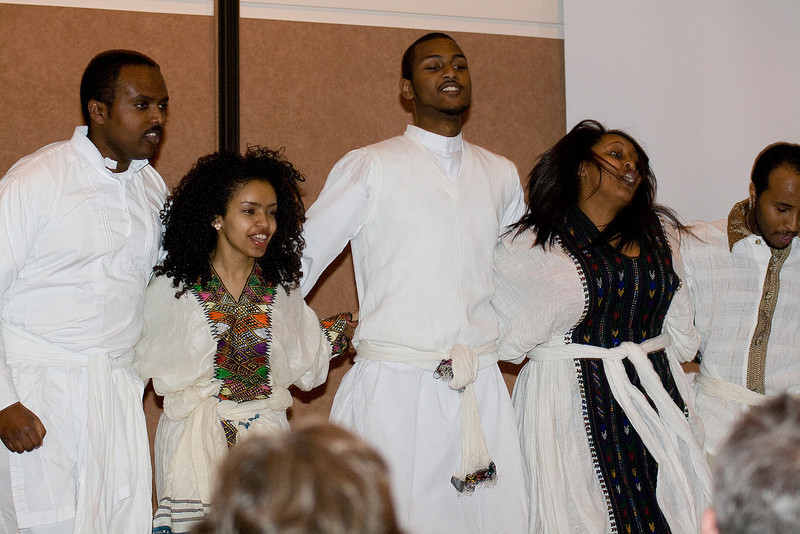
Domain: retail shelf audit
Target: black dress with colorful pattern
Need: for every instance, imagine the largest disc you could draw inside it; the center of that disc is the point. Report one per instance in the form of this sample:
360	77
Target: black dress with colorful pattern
626	300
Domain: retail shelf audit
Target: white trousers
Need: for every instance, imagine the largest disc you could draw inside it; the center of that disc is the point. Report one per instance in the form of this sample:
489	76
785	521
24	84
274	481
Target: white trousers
414	422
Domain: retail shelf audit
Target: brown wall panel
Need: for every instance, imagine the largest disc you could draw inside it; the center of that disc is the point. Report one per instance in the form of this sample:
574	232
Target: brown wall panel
44	51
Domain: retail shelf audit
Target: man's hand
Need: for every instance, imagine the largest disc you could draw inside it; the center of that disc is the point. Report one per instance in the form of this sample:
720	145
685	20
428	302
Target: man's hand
20	429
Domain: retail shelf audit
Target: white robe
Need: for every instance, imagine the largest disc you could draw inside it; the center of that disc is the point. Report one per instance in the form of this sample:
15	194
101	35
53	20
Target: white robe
422	247
540	298
77	246
177	351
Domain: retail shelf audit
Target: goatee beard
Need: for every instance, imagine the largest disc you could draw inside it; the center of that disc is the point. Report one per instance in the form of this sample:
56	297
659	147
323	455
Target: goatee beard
460	110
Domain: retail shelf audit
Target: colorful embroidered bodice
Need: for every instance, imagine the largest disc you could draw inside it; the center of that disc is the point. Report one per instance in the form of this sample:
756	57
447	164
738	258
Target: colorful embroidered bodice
626	300
243	333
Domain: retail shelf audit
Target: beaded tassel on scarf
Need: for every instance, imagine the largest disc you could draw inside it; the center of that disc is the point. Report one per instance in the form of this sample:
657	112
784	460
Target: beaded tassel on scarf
477	466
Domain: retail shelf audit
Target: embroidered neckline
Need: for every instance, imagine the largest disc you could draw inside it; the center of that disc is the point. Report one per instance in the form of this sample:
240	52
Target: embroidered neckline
243	331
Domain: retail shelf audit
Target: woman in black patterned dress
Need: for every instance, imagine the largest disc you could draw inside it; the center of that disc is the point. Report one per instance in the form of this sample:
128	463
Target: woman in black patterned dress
588	292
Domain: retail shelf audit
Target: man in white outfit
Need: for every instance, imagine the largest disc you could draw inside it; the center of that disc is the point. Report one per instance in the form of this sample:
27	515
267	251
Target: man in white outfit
743	275
79	236
423	213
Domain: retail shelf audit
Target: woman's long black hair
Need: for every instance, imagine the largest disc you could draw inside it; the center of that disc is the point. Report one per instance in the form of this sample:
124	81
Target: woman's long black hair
554	187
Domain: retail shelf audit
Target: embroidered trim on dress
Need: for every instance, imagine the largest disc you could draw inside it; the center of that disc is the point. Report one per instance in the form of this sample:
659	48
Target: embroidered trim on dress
243	330
333	327
584	407
174	512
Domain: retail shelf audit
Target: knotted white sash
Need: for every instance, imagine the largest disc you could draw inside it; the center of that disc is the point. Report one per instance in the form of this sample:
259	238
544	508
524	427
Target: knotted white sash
111	458
466	363
729	390
202	443
664	430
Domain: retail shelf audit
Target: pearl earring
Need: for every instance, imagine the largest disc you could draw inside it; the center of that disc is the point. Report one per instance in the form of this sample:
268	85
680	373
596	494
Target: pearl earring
217	226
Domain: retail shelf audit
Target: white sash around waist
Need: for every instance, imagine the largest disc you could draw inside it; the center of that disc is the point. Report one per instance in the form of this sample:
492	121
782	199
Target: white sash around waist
475	455
664	430
428	360
571	351
109	387
202	443
729	390
24	347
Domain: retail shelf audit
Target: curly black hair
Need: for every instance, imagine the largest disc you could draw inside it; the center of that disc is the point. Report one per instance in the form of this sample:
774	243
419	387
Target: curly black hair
204	193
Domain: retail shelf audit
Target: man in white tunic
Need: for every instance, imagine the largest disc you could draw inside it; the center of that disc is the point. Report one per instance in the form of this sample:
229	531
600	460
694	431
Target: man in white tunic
79	235
743	275
423	213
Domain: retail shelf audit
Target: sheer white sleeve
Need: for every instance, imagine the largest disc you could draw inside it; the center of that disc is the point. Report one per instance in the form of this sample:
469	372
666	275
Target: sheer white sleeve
336	216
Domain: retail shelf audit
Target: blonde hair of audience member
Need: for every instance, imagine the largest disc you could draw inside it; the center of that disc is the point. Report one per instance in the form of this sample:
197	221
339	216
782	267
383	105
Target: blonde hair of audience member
757	482
318	479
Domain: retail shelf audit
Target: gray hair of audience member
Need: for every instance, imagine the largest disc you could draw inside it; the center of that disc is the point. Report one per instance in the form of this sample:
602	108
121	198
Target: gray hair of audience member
318	479
757	484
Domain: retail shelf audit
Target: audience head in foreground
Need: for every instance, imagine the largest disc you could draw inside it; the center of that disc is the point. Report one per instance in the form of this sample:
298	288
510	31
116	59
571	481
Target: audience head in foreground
318	479
757	479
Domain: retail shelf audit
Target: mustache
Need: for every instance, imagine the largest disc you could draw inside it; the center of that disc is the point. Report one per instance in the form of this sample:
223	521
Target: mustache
155	129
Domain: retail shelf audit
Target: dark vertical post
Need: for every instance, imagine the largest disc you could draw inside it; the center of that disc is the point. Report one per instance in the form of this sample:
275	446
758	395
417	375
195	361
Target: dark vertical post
228	55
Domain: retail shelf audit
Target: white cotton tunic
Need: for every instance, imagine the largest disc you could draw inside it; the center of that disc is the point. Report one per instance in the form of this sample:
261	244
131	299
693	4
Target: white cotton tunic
726	288
77	246
422	233
177	351
540	298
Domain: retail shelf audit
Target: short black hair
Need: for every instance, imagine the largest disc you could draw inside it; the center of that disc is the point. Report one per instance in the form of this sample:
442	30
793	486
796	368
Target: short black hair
407	65
774	156
99	80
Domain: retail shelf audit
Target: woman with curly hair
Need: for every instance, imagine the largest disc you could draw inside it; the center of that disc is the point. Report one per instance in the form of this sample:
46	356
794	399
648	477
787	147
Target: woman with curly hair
226	331
587	291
